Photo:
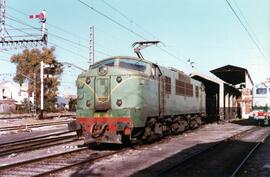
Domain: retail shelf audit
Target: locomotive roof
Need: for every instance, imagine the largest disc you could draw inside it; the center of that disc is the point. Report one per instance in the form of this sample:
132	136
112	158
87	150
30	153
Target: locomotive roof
139	59
126	57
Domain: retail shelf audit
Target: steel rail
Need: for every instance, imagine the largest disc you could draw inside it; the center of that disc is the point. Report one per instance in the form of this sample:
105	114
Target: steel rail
57	170
19	127
31	115
74	158
34	138
250	153
17	164
38	144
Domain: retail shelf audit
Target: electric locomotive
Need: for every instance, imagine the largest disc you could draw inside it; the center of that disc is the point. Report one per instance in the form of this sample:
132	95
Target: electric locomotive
121	99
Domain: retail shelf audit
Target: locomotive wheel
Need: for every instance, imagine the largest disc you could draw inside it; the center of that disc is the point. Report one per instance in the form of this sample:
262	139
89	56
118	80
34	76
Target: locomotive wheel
153	132
199	120
193	124
179	127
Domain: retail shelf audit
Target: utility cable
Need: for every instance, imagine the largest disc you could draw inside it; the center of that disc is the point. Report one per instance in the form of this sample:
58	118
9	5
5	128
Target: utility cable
246	29
128	19
126	28
57	36
111	19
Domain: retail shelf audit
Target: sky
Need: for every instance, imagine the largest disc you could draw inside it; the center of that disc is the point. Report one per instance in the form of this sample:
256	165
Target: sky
204	31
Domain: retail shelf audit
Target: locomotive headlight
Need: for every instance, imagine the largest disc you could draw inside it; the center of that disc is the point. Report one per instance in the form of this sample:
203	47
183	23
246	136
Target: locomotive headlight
88	80
88	103
118	79
103	70
119	102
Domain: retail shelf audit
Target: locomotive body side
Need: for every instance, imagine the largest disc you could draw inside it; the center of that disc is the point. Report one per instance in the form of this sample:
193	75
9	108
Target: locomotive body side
183	95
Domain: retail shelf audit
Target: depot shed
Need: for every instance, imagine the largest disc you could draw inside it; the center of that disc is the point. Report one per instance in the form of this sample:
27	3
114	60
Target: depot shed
221	97
240	79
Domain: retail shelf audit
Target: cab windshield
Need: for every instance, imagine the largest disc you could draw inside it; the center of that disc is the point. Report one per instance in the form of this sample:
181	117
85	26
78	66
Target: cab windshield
106	62
132	64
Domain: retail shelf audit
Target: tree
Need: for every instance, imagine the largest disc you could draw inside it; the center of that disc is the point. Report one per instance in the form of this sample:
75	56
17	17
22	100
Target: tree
28	63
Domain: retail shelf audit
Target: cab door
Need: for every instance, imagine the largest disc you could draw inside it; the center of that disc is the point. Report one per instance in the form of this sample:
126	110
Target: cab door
161	89
102	92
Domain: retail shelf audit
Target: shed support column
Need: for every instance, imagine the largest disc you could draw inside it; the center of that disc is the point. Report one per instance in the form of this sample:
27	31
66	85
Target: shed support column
231	106
221	101
227	105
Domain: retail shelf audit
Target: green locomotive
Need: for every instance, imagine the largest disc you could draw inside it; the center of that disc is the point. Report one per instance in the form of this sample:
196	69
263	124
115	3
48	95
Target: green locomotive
125	98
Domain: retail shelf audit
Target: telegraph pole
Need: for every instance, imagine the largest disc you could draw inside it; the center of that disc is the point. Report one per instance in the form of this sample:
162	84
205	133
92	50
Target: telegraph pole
41	89
35	92
91	47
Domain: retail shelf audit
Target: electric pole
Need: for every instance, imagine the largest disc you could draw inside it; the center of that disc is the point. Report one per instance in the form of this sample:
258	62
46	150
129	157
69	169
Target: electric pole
41	89
91	46
35	92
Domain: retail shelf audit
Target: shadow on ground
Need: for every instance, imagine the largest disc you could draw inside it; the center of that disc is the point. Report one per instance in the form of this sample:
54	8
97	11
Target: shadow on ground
248	122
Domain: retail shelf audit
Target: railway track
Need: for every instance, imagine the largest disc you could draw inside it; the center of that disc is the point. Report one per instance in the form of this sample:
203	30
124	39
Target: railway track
223	158
35	125
55	163
26	116
37	143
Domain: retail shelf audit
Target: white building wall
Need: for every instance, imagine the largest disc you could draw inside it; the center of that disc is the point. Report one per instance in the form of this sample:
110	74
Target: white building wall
14	91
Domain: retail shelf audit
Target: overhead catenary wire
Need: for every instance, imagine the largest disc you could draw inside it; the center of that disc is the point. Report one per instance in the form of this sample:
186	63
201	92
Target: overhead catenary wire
62	38
247	30
127	29
112	20
247	23
128	19
76	54
59	37
49	24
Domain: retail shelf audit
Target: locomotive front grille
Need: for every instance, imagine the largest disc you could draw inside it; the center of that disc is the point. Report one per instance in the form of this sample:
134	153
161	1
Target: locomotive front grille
103	99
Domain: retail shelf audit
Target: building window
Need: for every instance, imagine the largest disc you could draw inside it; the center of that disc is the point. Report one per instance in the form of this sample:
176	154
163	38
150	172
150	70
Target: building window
168	85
